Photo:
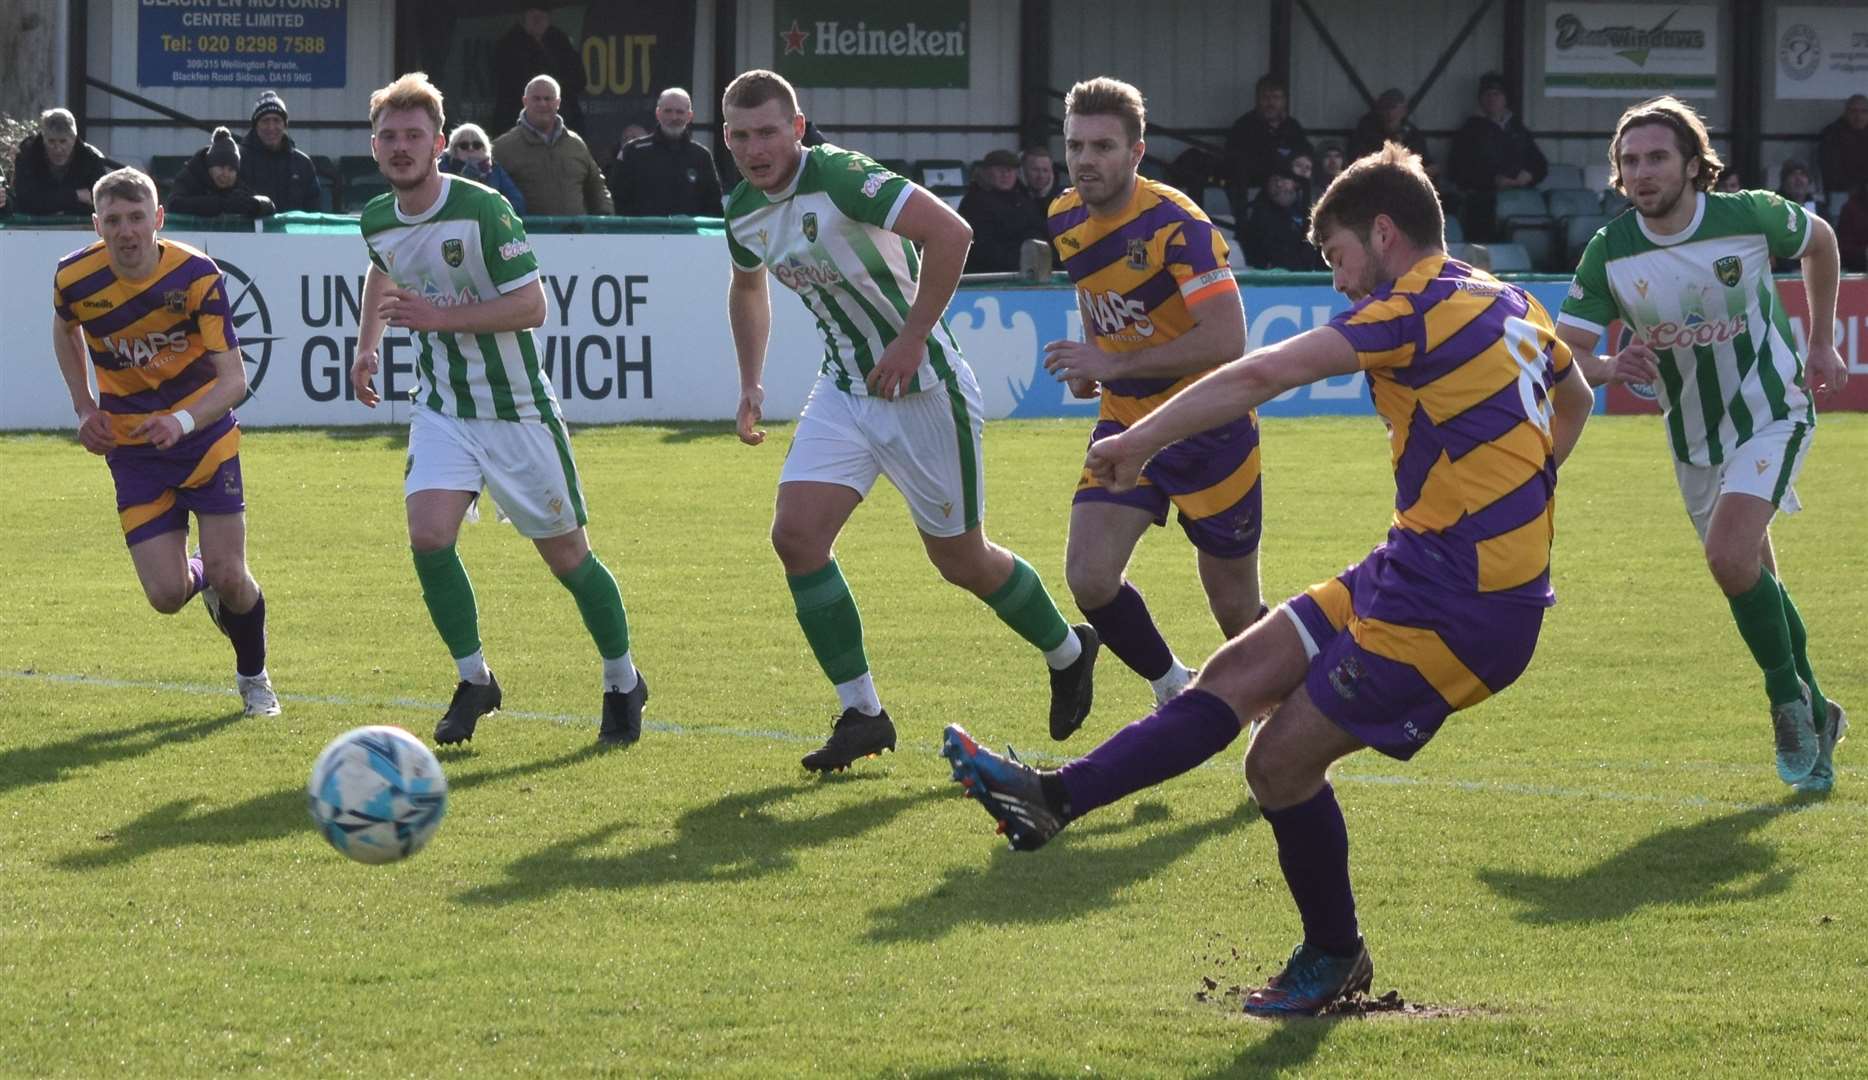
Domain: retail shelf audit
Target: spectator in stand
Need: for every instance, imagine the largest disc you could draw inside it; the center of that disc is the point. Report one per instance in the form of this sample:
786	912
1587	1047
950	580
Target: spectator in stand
1731	181
211	185
1852	230
1330	164
666	172
1003	215
1303	168
1037	175
1276	229
1493	152
1795	185
535	47
53	170
1388	122
272	164
548	161
470	154
1843	153
1264	140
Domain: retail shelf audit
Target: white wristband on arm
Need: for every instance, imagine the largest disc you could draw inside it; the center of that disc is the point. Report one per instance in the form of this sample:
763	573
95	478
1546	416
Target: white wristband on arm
184	418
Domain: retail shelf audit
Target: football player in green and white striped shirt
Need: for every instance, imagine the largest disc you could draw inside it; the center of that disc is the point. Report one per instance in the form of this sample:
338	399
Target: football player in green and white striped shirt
893	397
1688	272
449	261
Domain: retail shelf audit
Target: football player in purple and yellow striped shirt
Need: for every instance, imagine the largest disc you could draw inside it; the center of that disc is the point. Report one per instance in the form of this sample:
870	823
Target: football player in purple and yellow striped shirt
154	317
1160	309
1482	404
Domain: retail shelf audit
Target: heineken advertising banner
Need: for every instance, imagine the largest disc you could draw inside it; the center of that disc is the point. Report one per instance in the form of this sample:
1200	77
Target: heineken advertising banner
1630	50
858	43
1822	52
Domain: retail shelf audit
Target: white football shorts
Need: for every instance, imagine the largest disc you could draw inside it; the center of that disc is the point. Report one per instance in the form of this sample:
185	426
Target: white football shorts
927	444
525	464
1765	465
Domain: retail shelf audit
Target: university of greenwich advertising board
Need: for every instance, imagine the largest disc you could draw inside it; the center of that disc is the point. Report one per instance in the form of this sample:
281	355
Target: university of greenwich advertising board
636	330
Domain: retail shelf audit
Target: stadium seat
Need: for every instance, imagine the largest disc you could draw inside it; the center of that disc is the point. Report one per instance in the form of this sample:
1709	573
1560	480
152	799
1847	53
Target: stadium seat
1562	175
1516	204
1569	202
1509	258
941	173
1539	243
1614	202
163	169
952	198
1577	231
360	180
1596	177
896	166
1455	232
1216	203
1832	205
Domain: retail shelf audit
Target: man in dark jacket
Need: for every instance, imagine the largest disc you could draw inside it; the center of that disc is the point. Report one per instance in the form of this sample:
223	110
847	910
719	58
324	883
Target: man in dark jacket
1264	140
211	183
272	165
53	171
1843	154
532	48
1003	216
666	172
1277	226
1388	122
1493	152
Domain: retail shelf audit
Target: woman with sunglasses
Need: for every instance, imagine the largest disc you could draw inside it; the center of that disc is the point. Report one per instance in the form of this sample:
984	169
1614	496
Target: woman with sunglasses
470	154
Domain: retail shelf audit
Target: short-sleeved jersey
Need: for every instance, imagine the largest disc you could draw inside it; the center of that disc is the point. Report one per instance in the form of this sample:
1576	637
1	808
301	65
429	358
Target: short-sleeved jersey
1461	367
150	340
828	237
1704	301
468	248
1137	274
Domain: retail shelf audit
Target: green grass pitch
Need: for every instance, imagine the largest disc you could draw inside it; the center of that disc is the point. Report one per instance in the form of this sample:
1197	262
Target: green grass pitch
1595	873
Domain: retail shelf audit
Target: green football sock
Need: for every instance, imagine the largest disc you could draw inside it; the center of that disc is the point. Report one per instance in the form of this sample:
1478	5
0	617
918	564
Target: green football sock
1023	604
601	604
831	623
1761	622
449	596
1800	650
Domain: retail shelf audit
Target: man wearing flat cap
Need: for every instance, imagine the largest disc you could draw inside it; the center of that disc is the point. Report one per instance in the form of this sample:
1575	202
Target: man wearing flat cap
271	164
1003	215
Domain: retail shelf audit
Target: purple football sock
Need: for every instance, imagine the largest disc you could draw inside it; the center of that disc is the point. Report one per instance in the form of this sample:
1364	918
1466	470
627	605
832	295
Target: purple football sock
1190	728
197	575
247	631
1129	631
1313	849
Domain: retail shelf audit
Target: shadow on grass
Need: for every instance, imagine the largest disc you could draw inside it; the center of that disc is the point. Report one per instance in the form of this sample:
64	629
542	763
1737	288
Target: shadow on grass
392	436
1053	885
27	766
690	433
177	824
1716	861
1288	1046
730	839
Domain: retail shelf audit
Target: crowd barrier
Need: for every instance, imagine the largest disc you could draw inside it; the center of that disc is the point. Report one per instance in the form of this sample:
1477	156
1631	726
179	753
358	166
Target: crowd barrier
637	326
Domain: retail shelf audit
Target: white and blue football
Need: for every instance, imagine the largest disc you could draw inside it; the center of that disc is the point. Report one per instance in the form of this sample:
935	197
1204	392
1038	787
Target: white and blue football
377	794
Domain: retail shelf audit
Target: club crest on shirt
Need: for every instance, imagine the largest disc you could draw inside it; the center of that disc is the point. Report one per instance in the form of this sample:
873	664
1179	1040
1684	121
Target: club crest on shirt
810	227
1138	254
1728	269
176	300
453	253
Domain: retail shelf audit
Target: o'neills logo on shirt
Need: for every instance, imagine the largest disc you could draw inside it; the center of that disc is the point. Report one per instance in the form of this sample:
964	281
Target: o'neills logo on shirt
1696	333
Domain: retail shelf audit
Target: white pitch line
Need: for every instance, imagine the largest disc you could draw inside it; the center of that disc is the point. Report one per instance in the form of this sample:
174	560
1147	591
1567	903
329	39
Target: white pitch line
1486	787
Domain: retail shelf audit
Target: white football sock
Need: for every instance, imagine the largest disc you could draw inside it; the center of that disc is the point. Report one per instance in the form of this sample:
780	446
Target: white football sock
1066	653
860	694
619	675
1172	683
473	668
